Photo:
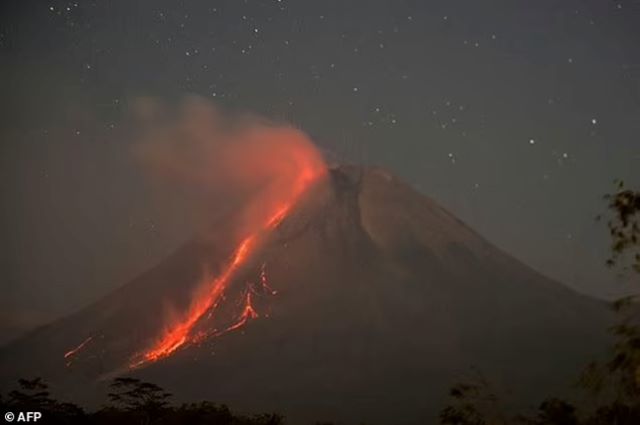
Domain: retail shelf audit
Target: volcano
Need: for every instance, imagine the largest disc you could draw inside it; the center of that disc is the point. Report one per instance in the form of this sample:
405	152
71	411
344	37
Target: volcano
364	303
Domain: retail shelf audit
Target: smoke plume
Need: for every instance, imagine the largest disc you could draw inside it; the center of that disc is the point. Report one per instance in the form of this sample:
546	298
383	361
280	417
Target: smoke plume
217	162
260	169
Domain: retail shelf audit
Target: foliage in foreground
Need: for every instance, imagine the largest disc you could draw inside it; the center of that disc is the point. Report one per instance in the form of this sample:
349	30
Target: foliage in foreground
131	402
612	386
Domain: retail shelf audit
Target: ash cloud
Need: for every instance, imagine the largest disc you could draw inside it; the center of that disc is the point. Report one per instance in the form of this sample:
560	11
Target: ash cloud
220	165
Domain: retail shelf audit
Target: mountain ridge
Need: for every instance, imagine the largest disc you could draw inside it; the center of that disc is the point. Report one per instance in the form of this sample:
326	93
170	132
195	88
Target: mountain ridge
379	291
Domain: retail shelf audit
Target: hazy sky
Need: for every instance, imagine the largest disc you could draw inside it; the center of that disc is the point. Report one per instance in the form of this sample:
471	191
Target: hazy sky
516	115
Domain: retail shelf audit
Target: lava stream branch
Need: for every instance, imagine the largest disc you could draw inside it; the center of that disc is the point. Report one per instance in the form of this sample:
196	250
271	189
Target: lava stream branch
181	332
69	355
80	346
248	313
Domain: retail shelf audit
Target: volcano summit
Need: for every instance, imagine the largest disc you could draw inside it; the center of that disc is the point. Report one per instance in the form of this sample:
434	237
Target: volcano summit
364	302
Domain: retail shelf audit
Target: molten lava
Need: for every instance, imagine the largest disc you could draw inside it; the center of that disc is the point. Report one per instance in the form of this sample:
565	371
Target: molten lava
80	346
264	283
71	353
277	208
248	313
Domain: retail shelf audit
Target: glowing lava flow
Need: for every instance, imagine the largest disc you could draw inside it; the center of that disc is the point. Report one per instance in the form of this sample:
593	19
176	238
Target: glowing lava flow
248	313
78	348
181	332
263	281
69	354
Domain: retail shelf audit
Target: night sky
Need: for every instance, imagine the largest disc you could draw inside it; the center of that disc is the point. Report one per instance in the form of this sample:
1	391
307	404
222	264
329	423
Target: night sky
515	115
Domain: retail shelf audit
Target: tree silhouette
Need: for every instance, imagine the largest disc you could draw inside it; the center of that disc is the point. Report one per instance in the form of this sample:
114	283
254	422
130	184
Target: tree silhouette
268	419
205	412
133	394
624	226
473	403
554	411
33	395
132	401
616	382
141	401
618	379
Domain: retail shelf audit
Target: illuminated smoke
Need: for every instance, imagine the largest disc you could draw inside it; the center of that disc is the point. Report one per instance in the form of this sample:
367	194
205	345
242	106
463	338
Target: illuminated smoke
262	168
223	162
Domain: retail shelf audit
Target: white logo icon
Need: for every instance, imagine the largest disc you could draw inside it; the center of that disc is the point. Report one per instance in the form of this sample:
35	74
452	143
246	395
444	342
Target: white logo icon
22	416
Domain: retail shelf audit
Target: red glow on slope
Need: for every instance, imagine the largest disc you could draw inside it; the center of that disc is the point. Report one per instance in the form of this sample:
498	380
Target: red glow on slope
304	168
264	283
78	348
180	333
69	354
248	313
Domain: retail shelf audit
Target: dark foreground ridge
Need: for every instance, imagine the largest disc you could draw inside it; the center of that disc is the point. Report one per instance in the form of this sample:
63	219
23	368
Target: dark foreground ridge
381	301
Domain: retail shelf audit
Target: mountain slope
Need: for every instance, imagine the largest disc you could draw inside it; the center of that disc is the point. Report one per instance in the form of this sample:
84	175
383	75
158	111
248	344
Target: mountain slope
371	300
